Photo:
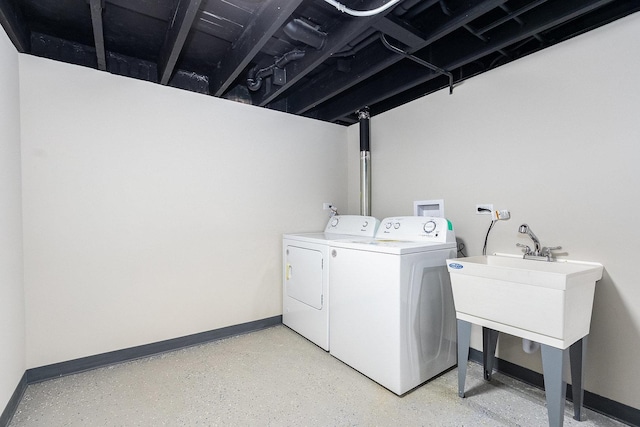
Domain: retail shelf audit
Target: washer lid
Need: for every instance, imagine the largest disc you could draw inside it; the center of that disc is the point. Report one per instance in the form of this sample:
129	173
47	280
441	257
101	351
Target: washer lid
393	247
321	238
341	227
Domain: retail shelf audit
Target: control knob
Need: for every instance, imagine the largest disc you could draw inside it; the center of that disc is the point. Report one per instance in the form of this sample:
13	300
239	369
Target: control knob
429	226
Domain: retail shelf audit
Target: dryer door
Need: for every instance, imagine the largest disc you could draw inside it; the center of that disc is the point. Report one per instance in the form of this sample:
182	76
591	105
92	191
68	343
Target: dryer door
303	275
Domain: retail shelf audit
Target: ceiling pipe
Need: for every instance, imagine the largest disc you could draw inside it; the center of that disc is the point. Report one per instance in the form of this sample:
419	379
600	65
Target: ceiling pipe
344	9
255	77
304	32
365	162
419	61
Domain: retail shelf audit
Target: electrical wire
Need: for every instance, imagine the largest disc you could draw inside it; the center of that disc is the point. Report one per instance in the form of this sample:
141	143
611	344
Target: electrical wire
484	248
344	9
461	249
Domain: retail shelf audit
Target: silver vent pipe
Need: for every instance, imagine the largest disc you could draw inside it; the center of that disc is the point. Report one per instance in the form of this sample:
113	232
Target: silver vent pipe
365	162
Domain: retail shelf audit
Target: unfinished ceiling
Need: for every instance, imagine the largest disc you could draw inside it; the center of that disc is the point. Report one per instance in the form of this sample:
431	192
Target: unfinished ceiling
304	57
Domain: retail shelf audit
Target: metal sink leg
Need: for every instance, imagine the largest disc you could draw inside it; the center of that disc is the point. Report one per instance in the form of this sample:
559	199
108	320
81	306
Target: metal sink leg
489	344
464	338
577	353
555	388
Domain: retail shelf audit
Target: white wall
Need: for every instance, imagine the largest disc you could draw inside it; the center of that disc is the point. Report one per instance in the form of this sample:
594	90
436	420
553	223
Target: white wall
127	185
12	332
152	213
552	137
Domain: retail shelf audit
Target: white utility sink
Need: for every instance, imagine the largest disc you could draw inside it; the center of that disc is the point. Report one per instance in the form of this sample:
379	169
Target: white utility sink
547	302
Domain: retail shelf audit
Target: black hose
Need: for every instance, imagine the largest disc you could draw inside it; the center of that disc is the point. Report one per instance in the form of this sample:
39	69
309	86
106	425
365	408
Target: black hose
254	78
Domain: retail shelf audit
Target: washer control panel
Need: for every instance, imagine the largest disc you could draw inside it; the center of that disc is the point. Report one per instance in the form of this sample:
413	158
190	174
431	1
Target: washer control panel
356	225
416	229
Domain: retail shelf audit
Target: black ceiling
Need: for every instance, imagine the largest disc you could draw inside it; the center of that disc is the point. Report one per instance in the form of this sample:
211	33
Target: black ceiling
301	56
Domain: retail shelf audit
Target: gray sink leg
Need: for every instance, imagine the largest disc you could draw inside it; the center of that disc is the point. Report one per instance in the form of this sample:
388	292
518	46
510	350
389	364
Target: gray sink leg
577	353
489	344
464	339
554	385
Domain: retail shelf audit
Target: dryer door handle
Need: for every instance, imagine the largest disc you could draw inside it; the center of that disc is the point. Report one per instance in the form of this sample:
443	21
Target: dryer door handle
288	274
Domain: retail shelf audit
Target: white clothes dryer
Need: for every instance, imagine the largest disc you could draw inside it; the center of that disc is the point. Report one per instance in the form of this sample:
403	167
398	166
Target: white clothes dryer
392	313
305	306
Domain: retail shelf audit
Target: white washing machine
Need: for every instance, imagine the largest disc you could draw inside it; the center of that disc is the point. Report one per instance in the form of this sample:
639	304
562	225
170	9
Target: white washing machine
305	306
392	313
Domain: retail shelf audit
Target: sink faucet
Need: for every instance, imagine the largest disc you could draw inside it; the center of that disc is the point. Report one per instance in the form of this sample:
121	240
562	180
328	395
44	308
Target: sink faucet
543	254
524	229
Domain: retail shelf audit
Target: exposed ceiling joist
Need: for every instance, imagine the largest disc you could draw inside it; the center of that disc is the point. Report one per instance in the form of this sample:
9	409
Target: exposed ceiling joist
420	8
452	58
537	22
153	9
460	19
271	16
509	16
399	31
338	35
96	7
376	59
179	27
13	23
409	6
304	57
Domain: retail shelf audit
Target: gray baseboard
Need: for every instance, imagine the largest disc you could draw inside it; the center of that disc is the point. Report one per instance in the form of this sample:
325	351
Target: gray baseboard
56	370
14	401
610	408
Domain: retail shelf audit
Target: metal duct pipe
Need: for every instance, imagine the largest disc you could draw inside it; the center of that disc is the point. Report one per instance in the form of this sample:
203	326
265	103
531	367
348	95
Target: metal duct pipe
304	32
365	162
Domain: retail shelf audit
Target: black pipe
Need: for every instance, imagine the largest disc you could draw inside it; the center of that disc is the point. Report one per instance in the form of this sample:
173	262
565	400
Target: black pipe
254	77
364	119
303	32
365	162
419	61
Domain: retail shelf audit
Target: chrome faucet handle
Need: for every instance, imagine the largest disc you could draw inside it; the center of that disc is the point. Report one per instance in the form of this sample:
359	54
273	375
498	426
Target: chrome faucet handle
546	251
527	249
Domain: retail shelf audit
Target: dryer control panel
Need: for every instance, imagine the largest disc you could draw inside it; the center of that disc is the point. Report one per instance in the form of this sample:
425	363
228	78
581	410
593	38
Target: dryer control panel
416	229
354	225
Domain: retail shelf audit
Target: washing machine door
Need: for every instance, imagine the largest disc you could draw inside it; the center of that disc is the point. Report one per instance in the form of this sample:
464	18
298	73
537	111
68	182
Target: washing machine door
303	275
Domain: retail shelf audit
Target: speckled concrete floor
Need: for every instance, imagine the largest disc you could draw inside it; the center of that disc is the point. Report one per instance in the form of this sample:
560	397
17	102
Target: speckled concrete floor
273	377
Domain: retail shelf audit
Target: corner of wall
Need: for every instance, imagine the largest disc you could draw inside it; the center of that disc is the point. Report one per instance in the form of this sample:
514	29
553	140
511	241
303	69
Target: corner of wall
12	307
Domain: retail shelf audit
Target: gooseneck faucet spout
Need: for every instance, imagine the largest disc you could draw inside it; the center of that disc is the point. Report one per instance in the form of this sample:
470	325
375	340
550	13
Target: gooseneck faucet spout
541	254
525	229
